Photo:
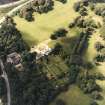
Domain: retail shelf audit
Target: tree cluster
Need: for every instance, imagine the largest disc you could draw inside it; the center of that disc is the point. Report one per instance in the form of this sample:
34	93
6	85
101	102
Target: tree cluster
59	33
81	7
40	6
10	38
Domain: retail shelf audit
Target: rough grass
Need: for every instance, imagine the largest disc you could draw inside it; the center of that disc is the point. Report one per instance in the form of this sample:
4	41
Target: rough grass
74	96
45	24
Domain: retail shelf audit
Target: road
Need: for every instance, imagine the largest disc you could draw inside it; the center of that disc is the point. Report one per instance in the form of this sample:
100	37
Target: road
16	3
14	10
5	77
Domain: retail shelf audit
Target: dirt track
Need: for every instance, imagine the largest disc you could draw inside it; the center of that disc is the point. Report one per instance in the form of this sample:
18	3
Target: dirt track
6	1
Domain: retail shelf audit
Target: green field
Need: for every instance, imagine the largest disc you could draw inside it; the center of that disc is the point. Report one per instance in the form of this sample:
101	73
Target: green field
91	53
41	29
45	24
74	96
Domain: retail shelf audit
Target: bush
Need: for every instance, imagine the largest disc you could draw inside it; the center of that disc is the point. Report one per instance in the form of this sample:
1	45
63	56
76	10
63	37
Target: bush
71	25
77	6
100	58
53	37
92	6
59	33
60	102
28	16
93	103
99	46
73	73
63	1
85	2
95	95
83	11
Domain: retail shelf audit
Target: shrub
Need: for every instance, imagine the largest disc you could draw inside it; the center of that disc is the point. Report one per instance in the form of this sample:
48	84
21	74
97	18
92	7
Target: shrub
53	37
99	46
71	25
92	6
77	6
63	1
83	11
95	95
73	73
28	16
93	103
85	2
59	33
100	58
60	102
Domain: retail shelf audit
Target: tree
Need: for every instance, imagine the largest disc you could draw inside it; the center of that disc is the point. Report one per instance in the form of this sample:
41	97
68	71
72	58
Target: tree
63	1
93	103
99	46
83	11
57	49
53	37
60	102
77	6
73	73
96	95
28	16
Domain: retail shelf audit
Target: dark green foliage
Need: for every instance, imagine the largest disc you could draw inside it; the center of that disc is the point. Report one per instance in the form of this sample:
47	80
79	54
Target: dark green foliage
28	16
60	102
62	1
77	6
99	46
73	73
93	103
96	95
81	7
100	11
10	38
57	49
83	11
85	2
59	33
2	88
99	76
88	23
100	58
53	37
71	25
88	83
40	6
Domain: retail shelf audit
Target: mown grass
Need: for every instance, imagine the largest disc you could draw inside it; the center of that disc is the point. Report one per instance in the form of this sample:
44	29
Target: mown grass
45	24
73	96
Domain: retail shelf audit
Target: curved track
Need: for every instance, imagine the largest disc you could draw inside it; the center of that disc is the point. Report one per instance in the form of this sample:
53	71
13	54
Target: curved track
5	77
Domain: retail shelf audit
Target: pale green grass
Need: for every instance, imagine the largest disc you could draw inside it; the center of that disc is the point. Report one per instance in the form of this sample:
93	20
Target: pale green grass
74	96
45	24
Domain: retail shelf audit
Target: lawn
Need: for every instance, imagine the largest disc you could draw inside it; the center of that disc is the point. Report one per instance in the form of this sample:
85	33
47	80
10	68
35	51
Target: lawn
74	96
45	24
